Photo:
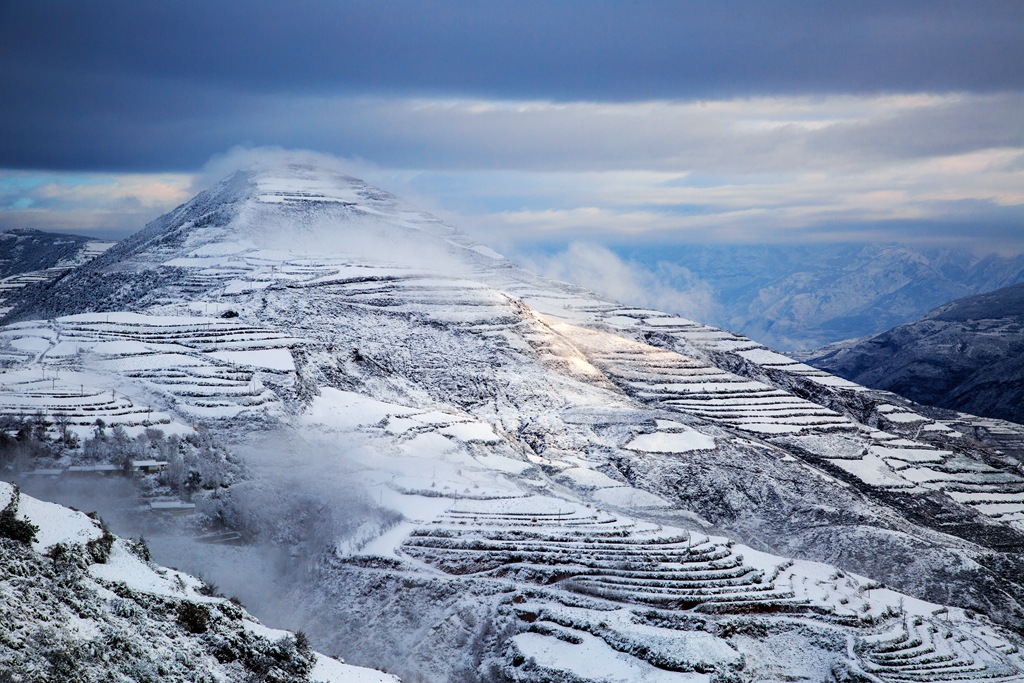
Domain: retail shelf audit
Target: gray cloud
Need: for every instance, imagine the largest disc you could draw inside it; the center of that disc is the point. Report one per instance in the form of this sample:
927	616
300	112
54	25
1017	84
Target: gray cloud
578	49
124	85
533	120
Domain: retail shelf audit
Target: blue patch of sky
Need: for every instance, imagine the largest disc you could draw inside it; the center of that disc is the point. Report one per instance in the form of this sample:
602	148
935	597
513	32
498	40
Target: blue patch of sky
17	187
708	180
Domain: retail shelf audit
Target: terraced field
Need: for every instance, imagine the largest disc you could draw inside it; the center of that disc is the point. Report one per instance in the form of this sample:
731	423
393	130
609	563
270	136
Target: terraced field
25	394
595	553
77	366
915	649
565	548
675	381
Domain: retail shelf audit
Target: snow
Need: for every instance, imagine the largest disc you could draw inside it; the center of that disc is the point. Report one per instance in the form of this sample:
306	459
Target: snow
905	417
984	496
627	497
428	445
486	415
872	470
586	478
272	359
345	410
57	524
471	431
327	670
768	427
927	474
487	251
436	417
670	322
620	321
834	381
123	566
763	356
31	344
995	509
914	455
671	442
503	464
593	660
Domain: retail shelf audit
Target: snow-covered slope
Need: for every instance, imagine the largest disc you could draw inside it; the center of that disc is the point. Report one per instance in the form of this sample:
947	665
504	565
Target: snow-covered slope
79	604
966	355
551	486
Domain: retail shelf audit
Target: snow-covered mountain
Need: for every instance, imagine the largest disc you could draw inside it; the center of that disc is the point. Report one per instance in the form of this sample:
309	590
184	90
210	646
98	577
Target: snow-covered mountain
462	471
78	603
965	355
807	296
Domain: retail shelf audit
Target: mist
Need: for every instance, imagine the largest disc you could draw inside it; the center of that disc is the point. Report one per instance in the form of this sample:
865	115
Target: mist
301	504
667	287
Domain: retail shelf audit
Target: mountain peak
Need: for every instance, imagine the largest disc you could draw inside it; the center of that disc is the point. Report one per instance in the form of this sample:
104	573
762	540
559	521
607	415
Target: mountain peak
290	179
285	204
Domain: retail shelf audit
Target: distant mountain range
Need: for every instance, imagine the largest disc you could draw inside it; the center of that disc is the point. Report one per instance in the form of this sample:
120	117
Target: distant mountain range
793	297
967	355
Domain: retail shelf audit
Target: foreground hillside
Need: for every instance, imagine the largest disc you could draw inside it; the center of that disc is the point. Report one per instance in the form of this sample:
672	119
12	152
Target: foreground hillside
966	355
461	471
79	604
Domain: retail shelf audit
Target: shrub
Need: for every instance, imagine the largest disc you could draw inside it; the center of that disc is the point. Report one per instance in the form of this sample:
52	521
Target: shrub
302	643
193	618
99	548
208	588
11	527
140	548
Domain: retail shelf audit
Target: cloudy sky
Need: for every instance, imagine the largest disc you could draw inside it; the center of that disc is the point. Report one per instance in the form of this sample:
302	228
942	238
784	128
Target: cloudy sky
535	121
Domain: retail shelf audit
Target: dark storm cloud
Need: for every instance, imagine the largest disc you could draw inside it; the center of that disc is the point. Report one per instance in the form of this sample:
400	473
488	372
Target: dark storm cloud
158	85
533	48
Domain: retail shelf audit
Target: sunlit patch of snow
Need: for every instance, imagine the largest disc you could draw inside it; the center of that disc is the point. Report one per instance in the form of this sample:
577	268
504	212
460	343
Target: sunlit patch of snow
488	252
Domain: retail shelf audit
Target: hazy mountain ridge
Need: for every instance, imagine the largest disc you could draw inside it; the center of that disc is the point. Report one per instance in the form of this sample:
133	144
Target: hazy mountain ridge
30	257
23	250
965	355
560	480
803	297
